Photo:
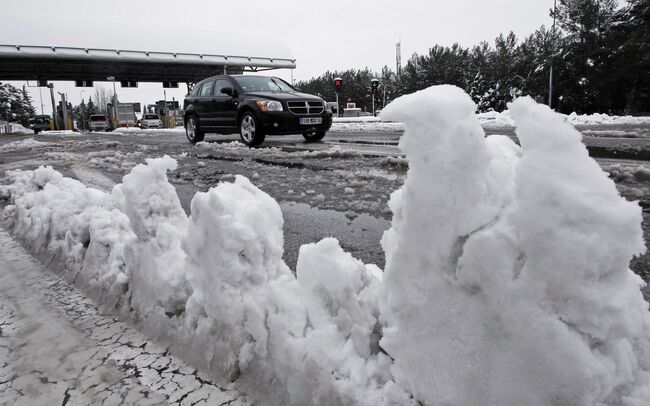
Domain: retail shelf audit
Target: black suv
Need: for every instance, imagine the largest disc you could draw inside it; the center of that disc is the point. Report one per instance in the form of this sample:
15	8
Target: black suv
254	106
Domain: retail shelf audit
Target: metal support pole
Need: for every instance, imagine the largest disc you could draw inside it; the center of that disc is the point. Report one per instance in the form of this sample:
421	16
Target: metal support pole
165	97
54	115
338	107
40	96
373	104
116	117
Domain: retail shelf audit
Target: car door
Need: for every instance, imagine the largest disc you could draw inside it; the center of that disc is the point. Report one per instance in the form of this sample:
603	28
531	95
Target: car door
226	108
205	106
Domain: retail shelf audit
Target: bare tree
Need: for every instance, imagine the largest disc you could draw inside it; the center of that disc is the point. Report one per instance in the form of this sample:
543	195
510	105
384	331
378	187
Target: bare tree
102	98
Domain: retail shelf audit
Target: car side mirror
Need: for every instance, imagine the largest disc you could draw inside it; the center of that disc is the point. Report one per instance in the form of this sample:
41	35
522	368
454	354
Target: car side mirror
227	90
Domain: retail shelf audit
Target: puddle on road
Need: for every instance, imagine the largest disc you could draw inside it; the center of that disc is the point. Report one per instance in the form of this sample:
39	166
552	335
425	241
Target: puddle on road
360	235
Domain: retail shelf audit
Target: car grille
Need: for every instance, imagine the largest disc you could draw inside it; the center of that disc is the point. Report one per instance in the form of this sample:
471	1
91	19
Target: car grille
305	107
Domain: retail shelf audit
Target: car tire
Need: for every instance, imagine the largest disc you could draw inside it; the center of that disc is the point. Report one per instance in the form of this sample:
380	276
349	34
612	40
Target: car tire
250	130
192	131
36	132
314	136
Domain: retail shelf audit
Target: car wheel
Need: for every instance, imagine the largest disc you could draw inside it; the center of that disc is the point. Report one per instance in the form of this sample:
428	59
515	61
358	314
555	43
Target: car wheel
36	132
314	136
250	131
192	131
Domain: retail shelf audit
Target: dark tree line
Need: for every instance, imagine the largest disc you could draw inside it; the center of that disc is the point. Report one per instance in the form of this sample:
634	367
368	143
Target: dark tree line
599	51
16	104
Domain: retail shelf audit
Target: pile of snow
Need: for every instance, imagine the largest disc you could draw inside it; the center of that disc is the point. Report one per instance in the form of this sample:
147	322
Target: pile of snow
213	286
600	119
369	126
240	150
15	128
362	119
60	132
148	131
24	145
507	279
505	119
496	119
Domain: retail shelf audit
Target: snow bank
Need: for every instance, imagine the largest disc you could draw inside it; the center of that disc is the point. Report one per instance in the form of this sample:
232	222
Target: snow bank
148	131
15	128
23	145
505	119
213	286
238	150
506	280
600	119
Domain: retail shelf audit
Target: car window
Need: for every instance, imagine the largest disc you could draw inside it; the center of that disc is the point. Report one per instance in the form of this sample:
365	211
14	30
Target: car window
263	84
206	89
98	118
220	84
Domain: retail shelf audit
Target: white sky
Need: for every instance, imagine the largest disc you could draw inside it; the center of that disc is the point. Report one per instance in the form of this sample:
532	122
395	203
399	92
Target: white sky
322	35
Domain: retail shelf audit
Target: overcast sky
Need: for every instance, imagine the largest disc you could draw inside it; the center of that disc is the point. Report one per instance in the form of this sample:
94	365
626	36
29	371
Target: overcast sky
321	35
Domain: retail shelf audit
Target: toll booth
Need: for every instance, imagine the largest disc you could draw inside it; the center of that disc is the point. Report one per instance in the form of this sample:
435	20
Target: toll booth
169	112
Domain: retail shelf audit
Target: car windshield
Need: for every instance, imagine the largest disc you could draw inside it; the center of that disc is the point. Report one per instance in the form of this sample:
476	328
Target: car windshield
97	118
150	117
263	84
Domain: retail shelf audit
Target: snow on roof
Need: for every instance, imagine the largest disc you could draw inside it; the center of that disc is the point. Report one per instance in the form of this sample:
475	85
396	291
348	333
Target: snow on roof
68	33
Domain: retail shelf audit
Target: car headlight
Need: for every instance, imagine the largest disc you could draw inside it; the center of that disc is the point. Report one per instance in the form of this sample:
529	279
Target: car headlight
269	105
328	108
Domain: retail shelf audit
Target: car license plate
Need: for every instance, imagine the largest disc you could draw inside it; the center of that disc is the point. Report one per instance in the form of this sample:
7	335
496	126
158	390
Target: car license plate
311	120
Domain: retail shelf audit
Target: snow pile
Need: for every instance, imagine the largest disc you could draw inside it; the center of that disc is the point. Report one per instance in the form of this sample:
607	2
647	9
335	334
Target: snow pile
496	119
237	149
213	286
22	145
507	279
16	128
77	226
505	119
148	131
600	119
362	119
366	126
60	132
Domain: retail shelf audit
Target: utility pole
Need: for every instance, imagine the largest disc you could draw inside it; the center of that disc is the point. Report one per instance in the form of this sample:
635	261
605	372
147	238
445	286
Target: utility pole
40	96
165	97
54	115
550	73
398	59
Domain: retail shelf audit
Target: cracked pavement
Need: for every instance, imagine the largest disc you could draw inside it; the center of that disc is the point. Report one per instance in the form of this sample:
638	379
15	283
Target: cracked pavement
57	349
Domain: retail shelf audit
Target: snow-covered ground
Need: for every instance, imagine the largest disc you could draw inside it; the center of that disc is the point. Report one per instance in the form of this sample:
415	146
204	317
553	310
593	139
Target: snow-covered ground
516	276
